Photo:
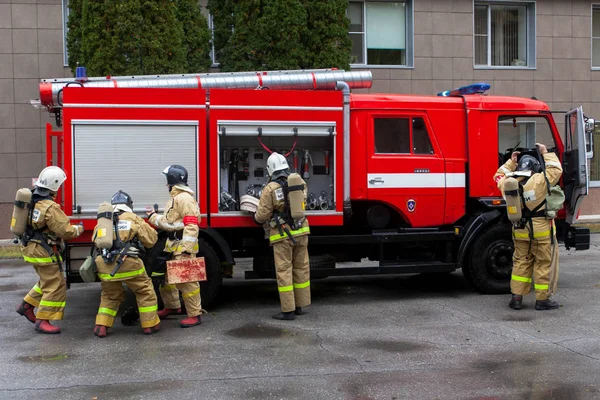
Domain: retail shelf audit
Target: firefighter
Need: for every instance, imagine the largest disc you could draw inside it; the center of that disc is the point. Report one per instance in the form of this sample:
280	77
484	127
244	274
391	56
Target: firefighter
134	235
288	237
47	226
181	219
536	250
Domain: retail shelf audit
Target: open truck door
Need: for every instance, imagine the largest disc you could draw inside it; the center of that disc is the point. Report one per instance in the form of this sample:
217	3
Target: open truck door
575	176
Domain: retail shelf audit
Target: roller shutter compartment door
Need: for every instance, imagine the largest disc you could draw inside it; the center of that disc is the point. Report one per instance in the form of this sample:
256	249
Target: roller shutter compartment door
112	157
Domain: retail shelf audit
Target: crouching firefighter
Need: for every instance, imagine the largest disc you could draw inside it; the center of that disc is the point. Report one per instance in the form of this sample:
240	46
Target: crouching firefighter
282	204
120	237
530	194
40	225
181	219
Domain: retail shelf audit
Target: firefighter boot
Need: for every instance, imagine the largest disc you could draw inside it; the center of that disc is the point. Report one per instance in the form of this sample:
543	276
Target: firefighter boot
299	311
25	309
191	321
548	304
100	331
516	302
165	312
285	316
44	326
151	330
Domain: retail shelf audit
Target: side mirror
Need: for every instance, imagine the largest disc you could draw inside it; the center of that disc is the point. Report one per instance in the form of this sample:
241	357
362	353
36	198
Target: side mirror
590	126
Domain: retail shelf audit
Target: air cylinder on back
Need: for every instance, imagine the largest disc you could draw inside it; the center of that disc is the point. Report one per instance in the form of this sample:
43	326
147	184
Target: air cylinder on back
104	232
513	200
18	223
296	187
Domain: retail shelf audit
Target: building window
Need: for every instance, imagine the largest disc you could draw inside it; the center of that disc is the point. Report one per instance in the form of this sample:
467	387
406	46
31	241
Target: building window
213	53
596	37
65	26
381	33
504	34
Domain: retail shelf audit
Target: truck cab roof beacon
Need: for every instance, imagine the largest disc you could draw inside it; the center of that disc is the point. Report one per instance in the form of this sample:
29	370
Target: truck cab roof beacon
405	180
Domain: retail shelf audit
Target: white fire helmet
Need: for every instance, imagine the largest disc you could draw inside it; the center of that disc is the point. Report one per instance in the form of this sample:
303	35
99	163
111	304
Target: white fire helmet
51	178
277	163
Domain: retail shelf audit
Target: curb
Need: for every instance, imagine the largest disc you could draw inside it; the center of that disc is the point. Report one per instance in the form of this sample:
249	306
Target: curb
6	242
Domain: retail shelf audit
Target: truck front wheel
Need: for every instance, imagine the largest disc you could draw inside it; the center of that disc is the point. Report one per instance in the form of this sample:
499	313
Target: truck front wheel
209	289
490	261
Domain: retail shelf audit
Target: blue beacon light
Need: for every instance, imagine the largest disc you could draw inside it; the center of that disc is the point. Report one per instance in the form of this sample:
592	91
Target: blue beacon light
474	88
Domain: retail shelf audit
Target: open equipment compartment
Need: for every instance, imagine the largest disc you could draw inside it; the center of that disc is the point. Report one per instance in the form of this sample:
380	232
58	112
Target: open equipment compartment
307	145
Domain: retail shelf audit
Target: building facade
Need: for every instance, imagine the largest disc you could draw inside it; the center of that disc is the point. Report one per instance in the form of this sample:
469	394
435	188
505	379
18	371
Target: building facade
549	49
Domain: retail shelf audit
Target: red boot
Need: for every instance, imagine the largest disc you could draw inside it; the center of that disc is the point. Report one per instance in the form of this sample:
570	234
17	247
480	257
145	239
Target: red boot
165	312
191	321
100	331
25	309
151	330
44	326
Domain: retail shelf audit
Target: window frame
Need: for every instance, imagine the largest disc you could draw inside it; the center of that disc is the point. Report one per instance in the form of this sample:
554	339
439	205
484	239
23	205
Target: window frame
531	21
594	6
409	35
411	153
65	30
213	53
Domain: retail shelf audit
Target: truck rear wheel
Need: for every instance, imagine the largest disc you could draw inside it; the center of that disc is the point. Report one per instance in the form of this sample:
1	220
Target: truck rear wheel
209	289
490	262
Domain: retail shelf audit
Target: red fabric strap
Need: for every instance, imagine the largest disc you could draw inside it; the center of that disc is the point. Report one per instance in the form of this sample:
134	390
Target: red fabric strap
190	220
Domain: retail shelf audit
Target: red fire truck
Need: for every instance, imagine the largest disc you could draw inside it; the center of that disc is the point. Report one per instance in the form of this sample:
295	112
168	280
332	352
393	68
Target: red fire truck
405	180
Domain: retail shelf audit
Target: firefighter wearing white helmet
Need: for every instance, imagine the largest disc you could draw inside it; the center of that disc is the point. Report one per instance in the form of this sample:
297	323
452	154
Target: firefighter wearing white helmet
282	206
46	227
181	220
535	258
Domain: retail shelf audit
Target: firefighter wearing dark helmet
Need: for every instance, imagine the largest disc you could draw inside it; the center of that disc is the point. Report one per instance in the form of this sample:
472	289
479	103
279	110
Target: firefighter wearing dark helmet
181	219
134	235
535	257
288	237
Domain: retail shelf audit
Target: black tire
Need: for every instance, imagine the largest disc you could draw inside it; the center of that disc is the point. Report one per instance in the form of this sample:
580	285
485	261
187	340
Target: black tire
490	261
209	289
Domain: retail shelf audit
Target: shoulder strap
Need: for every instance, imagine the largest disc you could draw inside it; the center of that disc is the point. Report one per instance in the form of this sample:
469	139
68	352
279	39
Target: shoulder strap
543	164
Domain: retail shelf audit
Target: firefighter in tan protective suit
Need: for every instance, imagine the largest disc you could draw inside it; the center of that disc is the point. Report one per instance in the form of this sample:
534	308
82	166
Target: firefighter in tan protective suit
47	226
133	233
181	219
535	257
289	239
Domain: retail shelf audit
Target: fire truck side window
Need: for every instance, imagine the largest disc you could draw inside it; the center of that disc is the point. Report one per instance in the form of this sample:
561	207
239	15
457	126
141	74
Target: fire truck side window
392	135
421	142
522	132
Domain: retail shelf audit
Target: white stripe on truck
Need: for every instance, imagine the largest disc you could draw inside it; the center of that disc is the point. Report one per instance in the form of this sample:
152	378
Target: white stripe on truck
412	180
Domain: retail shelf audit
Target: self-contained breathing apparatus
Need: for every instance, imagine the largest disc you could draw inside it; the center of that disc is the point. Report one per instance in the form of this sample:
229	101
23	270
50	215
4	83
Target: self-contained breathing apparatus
516	203
116	250
23	217
293	214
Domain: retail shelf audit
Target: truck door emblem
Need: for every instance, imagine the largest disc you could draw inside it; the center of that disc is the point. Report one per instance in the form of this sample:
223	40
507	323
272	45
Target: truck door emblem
411	204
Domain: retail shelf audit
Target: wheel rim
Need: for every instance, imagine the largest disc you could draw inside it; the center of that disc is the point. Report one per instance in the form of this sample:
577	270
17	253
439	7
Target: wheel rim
499	260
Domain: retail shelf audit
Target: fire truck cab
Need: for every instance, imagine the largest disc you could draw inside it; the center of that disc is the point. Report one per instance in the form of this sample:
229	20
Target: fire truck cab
404	180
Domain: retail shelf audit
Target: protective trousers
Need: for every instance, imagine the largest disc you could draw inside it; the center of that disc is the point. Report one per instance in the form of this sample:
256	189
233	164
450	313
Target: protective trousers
49	294
189	291
293	273
536	263
113	294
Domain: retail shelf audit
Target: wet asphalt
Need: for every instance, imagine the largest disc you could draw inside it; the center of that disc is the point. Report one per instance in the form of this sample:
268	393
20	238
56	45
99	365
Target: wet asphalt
400	337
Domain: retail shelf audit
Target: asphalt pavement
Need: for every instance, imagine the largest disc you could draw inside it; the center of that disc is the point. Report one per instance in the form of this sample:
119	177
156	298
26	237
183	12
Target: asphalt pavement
400	337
